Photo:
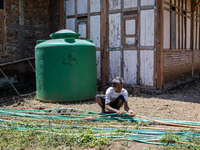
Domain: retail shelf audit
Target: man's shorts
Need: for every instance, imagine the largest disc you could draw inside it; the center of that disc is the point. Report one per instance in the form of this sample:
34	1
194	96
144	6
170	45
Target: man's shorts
113	104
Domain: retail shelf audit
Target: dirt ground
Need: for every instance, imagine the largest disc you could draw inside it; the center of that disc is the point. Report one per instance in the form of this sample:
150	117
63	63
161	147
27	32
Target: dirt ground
180	103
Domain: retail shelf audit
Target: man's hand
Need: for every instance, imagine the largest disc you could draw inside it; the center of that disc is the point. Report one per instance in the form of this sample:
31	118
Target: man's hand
131	113
120	112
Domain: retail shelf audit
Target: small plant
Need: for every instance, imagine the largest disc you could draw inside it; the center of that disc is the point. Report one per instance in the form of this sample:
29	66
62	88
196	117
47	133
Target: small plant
170	138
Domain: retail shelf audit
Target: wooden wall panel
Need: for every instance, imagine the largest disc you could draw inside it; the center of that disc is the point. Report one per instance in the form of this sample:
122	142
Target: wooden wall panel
115	30
173	30
82	6
114	64
95	30
146	67
82	29
130	67
147	28
181	32
120	24
98	63
147	2
130	41
166	44
130	27
70	24
189	5
177	33
70	5
188	38
130	3
114	4
197	36
195	33
95	6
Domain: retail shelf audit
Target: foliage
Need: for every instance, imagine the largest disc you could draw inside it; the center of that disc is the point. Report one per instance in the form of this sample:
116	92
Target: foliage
47	138
181	142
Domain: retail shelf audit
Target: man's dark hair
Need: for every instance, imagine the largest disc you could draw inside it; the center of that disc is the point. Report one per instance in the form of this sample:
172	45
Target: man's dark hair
117	80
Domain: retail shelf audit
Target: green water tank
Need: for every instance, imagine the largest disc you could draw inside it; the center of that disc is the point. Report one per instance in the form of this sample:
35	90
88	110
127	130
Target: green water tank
65	68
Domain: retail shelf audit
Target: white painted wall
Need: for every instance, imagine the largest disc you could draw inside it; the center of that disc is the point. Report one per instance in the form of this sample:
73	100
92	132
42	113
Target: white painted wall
130	41
81	6
129	58
82	30
130	3
95	6
70	7
147	2
115	30
130	67
166	41
146	67
70	24
114	64
114	4
95	30
147	28
130	27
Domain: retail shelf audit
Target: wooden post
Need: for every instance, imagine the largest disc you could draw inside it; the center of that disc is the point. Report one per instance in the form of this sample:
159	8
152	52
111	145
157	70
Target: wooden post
192	34
138	42
159	46
104	42
62	16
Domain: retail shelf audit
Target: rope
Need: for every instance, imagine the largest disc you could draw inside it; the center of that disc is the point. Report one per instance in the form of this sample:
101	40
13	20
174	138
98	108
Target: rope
171	124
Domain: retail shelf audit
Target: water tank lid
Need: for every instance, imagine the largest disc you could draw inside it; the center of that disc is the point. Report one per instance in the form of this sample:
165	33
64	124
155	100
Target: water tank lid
64	33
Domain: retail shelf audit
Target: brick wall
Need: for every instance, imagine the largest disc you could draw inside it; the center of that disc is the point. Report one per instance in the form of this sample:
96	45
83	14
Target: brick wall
54	15
197	62
177	67
26	22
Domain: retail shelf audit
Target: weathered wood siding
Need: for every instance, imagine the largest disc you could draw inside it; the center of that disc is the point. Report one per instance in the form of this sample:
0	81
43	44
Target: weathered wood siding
115	64
147	39
147	67
82	6
128	29
95	6
114	30
166	30
70	4
70	24
130	67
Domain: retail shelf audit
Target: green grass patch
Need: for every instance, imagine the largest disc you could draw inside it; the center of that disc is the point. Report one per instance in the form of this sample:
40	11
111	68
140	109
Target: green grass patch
49	139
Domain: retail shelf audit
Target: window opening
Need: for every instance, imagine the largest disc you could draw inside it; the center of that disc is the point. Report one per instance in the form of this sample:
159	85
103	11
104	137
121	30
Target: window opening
126	13
82	17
